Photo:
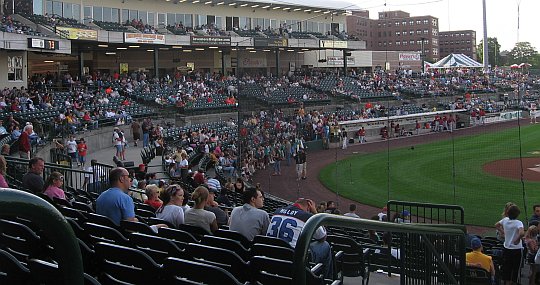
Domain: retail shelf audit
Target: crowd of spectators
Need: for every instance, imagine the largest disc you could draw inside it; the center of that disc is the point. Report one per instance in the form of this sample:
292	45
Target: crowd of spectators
141	26
9	25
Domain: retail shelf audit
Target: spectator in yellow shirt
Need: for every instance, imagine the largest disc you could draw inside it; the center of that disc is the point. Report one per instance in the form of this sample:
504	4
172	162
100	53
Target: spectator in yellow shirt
477	259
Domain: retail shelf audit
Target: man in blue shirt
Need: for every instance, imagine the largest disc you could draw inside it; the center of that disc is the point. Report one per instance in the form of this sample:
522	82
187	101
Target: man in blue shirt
115	203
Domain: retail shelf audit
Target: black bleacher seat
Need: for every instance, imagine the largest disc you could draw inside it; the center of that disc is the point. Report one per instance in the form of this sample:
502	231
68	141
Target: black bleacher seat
354	261
124	264
226	243
136	227
234	236
271	271
477	276
20	241
179	237
224	258
179	271
46	273
157	247
101	220
101	233
259	249
271	241
12	271
197	232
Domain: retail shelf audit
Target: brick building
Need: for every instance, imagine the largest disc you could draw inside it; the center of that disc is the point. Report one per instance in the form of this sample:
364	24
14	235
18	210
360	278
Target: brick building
458	42
396	31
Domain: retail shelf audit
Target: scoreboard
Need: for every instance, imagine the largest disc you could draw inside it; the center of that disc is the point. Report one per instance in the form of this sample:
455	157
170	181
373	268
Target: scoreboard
42	44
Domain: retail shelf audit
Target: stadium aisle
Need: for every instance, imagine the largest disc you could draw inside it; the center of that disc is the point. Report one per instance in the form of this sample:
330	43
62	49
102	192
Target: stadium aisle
133	153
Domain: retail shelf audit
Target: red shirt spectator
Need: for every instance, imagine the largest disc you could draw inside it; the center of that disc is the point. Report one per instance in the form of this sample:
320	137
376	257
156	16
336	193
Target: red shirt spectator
24	142
199	177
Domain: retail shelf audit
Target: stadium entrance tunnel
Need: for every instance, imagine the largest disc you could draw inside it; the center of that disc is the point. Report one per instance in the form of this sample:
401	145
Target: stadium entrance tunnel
511	168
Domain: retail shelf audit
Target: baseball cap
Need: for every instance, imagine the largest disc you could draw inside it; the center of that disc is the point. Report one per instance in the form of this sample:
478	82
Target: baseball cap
476	243
213	190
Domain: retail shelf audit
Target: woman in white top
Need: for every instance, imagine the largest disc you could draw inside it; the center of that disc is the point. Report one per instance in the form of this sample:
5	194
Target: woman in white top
512	230
198	216
172	210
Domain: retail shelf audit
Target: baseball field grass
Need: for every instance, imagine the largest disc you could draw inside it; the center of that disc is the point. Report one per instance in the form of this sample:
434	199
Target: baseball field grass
447	172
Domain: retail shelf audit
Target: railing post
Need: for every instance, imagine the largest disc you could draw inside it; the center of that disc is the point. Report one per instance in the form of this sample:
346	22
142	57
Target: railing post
55	227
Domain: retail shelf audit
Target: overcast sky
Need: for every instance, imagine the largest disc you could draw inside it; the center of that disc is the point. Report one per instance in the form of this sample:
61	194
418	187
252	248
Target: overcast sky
467	14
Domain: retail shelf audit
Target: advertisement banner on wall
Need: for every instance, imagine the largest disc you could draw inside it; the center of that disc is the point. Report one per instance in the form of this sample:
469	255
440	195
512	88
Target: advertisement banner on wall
338	60
253	62
409	57
332	44
264	42
124	68
77	34
210	41
139	38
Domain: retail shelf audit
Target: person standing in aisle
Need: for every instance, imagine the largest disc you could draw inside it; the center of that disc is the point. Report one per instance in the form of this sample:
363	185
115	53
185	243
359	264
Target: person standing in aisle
82	148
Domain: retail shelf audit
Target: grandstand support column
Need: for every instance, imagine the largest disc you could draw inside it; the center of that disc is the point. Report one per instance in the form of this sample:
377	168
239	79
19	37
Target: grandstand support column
344	62
156	63
277	62
81	64
222	63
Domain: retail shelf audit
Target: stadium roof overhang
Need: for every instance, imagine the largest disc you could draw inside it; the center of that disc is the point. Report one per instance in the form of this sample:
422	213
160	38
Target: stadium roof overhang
313	6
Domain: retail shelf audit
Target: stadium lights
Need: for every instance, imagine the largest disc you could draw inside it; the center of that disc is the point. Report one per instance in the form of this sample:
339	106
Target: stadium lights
290	50
186	50
134	46
297	9
305	49
307	10
255	6
316	11
196	1
267	50
199	49
150	50
244	5
220	3
286	8
267	6
249	48
326	12
48	61
213	47
207	2
232	4
253	51
110	53
121	48
177	47
103	46
275	8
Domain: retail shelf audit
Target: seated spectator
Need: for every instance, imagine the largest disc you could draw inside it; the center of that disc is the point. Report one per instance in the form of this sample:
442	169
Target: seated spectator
198	216
140	193
3	168
477	259
33	179
222	217
239	186
288	223
115	203
152	192
172	210
248	219
53	184
6	149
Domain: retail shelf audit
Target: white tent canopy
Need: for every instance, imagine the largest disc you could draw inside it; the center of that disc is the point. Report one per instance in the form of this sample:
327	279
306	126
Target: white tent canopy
456	60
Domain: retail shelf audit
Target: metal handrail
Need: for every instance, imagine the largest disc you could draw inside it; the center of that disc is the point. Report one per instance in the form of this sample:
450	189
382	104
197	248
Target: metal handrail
302	245
55	227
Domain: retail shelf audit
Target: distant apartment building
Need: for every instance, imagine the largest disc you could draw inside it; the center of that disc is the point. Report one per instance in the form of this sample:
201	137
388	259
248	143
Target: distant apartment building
396	31
458	42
